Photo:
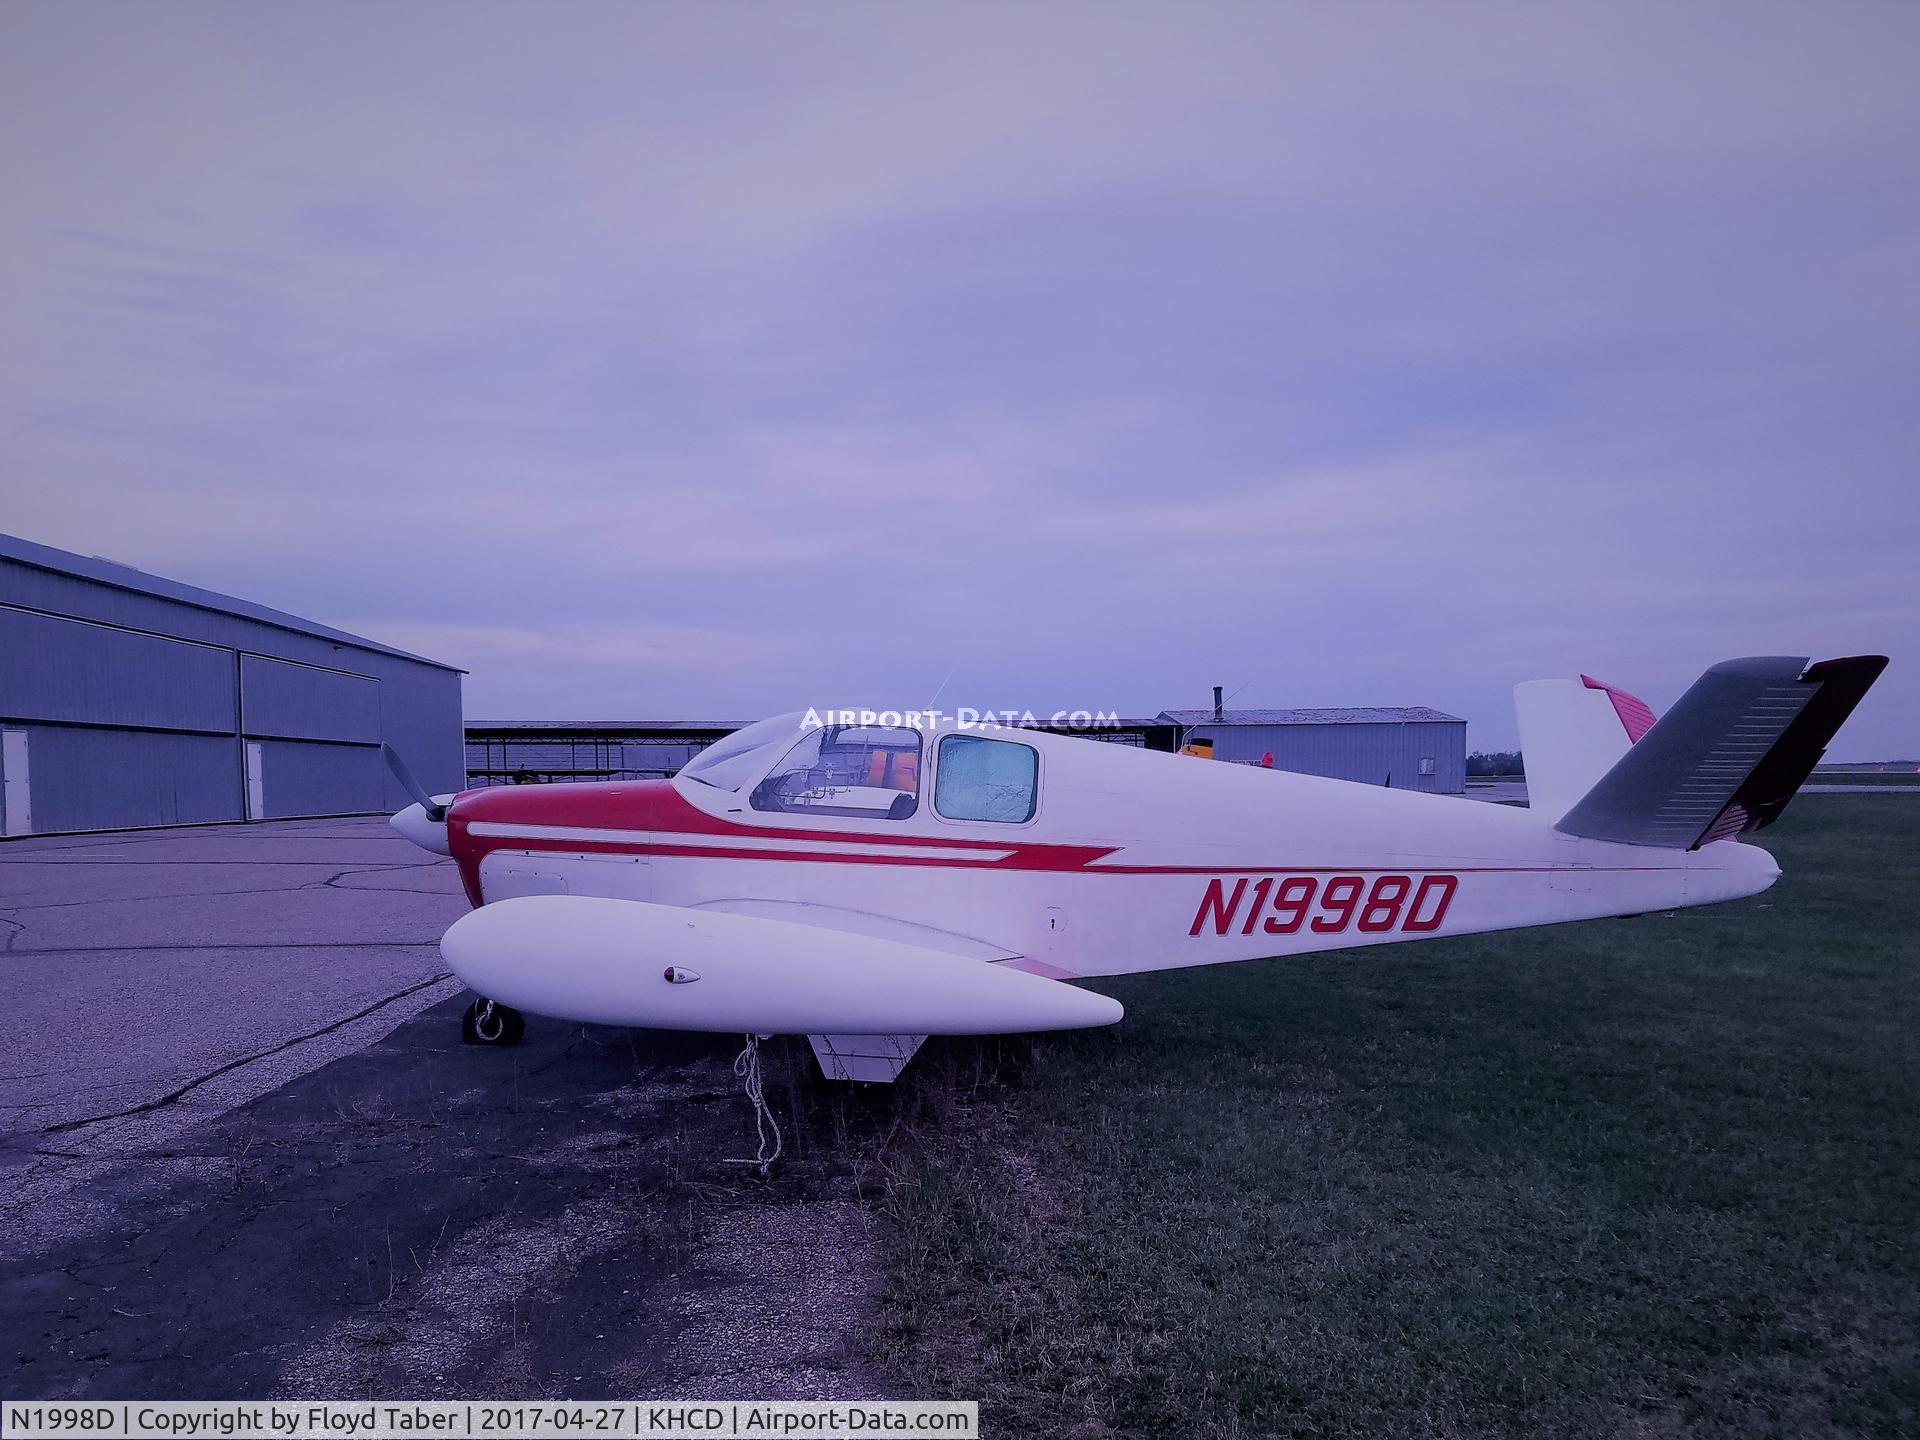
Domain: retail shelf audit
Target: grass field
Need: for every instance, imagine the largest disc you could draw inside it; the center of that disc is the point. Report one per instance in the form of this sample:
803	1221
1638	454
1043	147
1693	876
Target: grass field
1640	1176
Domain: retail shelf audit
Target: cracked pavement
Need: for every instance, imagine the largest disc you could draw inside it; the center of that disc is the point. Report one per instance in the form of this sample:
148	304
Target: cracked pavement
207	964
246	1155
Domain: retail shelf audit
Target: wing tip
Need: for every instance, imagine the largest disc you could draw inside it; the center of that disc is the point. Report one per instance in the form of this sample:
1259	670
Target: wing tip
1864	668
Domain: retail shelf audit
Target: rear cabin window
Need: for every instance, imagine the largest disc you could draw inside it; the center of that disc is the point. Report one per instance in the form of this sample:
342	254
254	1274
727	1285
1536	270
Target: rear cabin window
983	779
856	772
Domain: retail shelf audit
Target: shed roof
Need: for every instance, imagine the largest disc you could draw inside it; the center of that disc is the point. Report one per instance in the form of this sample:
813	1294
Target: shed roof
605	727
124	577
1345	715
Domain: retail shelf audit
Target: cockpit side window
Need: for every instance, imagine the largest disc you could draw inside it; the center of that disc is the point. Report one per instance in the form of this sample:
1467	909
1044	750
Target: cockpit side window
981	779
865	772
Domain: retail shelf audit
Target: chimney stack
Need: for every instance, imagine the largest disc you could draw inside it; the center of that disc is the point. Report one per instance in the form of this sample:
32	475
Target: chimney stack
1218	714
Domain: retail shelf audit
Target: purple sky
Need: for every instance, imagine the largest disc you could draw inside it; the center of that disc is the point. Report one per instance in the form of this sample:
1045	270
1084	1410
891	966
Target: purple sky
706	361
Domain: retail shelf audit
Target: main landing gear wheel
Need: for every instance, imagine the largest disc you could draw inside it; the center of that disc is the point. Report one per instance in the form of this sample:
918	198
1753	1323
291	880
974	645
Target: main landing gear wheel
487	1023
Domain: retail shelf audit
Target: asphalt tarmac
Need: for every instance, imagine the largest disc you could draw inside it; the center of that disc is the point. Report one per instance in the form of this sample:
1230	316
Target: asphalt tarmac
245	1155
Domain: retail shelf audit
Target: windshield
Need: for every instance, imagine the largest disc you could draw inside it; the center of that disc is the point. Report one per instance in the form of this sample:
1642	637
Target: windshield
872	772
729	763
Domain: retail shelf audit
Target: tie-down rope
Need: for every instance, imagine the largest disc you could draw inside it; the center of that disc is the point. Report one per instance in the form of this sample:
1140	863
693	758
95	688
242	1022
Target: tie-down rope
747	1066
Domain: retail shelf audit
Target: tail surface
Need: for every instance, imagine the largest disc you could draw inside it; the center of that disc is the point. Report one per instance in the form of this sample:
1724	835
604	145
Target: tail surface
1725	760
1571	733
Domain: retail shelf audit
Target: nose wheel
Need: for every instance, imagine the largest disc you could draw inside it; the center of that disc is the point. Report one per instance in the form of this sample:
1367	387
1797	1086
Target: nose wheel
488	1023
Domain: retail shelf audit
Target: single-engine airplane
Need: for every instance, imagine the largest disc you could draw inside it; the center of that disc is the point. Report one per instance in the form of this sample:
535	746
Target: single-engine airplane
869	884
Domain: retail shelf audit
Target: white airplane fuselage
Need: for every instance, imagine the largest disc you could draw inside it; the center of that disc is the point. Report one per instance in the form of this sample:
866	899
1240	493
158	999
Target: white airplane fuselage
1131	861
869	882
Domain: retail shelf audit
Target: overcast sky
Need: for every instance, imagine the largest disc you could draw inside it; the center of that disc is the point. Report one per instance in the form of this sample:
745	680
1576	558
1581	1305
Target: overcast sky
705	361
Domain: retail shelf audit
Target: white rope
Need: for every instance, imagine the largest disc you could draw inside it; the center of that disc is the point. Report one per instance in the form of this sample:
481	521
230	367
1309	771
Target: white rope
747	1066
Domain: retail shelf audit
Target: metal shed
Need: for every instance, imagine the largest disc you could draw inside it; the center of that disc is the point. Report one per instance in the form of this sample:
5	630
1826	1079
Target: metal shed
1409	747
504	752
131	700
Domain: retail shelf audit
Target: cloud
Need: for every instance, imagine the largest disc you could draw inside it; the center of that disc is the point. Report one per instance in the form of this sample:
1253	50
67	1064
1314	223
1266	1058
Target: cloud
701	359
603	644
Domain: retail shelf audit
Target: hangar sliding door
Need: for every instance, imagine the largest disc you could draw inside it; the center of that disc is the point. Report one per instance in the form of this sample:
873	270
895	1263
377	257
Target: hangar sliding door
108	727
312	739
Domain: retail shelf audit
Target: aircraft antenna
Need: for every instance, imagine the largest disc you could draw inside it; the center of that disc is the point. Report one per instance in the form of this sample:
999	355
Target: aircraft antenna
938	689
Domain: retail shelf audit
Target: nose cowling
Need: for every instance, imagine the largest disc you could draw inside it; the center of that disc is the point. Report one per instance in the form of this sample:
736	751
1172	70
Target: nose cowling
428	834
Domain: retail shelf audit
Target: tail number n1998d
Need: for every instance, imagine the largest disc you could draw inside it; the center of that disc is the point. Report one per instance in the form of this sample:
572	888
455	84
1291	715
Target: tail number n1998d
1283	904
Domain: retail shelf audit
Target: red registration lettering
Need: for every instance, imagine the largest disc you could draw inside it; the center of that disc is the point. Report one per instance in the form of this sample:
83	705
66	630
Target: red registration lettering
1382	910
1290	904
1390	903
1435	893
1215	906
1337	902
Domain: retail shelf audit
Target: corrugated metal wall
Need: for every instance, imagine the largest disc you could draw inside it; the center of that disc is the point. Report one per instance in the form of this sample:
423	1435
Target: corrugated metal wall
289	701
1373	754
124	708
85	674
305	779
101	779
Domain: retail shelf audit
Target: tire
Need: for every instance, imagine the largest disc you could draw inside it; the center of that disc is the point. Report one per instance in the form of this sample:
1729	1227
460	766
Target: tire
488	1024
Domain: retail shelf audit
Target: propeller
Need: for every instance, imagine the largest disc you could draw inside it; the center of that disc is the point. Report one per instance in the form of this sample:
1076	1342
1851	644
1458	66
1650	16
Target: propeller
431	807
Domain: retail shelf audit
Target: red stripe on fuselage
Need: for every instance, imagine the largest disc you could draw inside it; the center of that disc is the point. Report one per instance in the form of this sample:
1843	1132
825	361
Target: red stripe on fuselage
657	808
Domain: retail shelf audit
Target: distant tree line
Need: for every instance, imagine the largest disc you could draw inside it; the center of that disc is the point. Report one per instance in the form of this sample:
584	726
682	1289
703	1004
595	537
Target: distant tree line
1495	762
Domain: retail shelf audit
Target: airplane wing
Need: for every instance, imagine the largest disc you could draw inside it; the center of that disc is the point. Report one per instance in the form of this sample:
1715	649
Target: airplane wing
814	915
1728	757
630	962
875	1059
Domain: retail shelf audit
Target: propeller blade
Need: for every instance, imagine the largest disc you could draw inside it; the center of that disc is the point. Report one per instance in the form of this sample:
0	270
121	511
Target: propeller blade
434	810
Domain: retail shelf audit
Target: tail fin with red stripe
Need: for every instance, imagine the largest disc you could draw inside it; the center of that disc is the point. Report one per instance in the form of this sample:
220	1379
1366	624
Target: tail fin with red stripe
1571	733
